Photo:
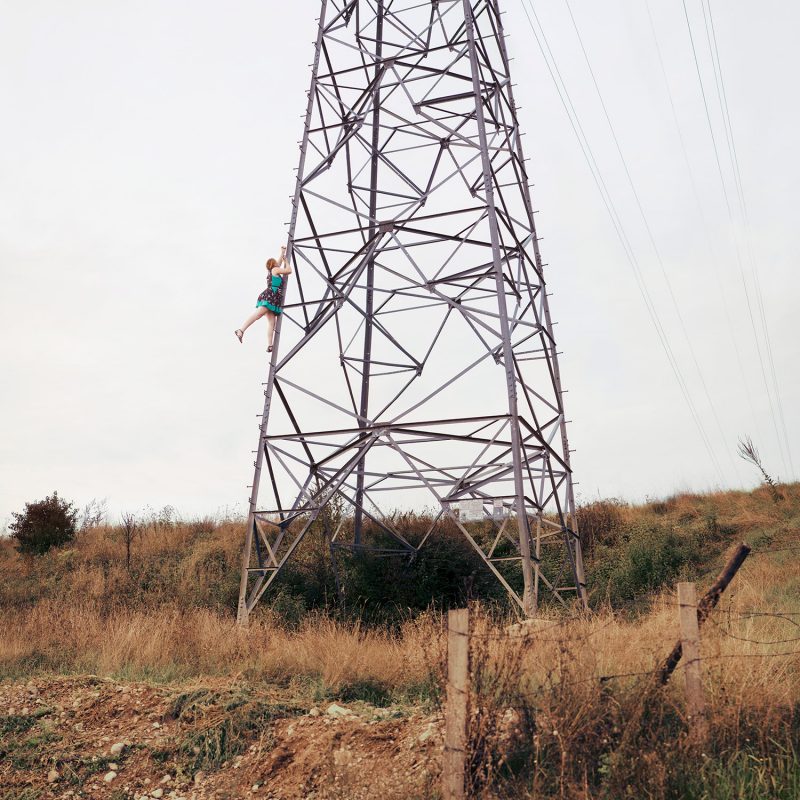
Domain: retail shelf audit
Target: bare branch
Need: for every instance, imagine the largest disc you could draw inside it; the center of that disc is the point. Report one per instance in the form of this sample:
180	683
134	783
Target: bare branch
748	451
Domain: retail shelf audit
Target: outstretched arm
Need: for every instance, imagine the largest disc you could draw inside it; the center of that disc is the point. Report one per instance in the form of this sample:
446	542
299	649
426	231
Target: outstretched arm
284	267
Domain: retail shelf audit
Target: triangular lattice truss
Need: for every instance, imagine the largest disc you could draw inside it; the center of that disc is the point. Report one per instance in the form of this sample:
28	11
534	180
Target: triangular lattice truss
415	361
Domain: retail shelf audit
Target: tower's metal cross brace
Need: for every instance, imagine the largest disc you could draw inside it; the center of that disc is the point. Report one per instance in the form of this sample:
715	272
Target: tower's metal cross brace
415	356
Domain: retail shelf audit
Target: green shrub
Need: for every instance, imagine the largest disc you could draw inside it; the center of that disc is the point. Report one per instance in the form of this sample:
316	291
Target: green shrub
649	559
290	608
44	524
221	725
385	589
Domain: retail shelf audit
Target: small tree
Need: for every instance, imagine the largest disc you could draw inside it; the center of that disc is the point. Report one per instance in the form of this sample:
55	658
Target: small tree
44	524
129	526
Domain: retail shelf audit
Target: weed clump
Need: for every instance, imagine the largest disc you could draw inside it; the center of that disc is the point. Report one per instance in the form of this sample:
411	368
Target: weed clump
222	724
599	523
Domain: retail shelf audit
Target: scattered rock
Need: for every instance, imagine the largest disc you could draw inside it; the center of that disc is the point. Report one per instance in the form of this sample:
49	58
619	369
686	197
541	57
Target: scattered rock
157	793
314	712
109	776
53	776
427	733
117	748
342	757
113	767
198	776
334	710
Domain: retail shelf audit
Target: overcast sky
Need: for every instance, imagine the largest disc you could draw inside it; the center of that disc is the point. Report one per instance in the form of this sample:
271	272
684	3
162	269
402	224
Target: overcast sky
145	171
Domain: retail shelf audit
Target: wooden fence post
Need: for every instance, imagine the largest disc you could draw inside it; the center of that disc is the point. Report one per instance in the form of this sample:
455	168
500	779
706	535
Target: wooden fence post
455	736
690	645
707	605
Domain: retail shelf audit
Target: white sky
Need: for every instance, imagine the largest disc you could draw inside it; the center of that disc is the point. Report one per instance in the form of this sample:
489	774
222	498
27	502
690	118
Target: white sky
145	170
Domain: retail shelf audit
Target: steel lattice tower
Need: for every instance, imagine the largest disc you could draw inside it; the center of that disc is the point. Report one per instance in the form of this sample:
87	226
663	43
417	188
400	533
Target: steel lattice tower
415	357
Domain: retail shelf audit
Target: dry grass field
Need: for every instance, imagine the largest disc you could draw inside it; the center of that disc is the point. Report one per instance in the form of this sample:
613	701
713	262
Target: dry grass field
564	707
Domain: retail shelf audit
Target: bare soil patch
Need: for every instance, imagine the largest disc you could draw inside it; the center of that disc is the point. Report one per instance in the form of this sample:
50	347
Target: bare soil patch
90	737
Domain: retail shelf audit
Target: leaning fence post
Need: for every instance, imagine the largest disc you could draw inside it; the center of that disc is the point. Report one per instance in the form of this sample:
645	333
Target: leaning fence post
690	645
706	606
455	736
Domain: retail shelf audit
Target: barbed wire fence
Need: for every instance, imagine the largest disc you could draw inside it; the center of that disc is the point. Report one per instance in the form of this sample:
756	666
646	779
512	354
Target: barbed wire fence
543	632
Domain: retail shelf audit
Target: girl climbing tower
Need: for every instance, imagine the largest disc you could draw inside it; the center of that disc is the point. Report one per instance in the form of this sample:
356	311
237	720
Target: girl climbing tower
270	301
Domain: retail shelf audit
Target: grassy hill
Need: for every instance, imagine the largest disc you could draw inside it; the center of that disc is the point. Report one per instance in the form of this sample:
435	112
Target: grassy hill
631	553
564	707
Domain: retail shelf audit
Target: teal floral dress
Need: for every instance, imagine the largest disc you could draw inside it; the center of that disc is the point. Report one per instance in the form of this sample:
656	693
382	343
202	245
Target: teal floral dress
272	296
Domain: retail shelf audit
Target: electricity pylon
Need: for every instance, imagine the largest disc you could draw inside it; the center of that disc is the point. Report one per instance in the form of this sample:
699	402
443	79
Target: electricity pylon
415	357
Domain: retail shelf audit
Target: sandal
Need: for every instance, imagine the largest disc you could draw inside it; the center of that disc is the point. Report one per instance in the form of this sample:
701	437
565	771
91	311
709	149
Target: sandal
239	334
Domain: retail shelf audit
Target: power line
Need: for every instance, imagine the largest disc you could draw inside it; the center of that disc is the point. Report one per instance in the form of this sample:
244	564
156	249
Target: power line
650	235
733	227
703	219
619	228
723	97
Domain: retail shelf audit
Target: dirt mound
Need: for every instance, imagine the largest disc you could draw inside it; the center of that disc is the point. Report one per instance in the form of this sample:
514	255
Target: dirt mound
92	738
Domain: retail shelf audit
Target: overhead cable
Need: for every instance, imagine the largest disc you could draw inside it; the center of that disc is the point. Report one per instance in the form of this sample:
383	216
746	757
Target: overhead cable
733	230
569	107
650	235
745	383
711	38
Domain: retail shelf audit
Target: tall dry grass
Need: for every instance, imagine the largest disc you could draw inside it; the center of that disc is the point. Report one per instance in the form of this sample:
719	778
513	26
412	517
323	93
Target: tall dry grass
176	643
561	708
565	707
80	609
173	641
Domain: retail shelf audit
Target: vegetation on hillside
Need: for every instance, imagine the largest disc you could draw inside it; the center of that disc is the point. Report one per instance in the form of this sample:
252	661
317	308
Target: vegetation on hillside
565	707
43	525
631	553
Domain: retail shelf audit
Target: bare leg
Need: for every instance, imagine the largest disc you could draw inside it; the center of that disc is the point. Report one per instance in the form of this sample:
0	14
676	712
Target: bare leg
270	328
256	315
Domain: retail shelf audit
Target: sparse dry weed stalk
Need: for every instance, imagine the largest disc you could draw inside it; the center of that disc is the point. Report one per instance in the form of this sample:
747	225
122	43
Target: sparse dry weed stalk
574	703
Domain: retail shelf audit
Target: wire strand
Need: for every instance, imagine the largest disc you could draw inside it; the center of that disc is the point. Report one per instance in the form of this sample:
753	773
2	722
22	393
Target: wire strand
616	220
752	641
733	227
650	236
711	37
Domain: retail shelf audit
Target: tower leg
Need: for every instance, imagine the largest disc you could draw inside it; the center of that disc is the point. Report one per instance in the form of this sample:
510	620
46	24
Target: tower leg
366	364
528	601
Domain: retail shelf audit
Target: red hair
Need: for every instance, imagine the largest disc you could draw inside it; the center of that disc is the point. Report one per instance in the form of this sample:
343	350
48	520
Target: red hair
271	263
